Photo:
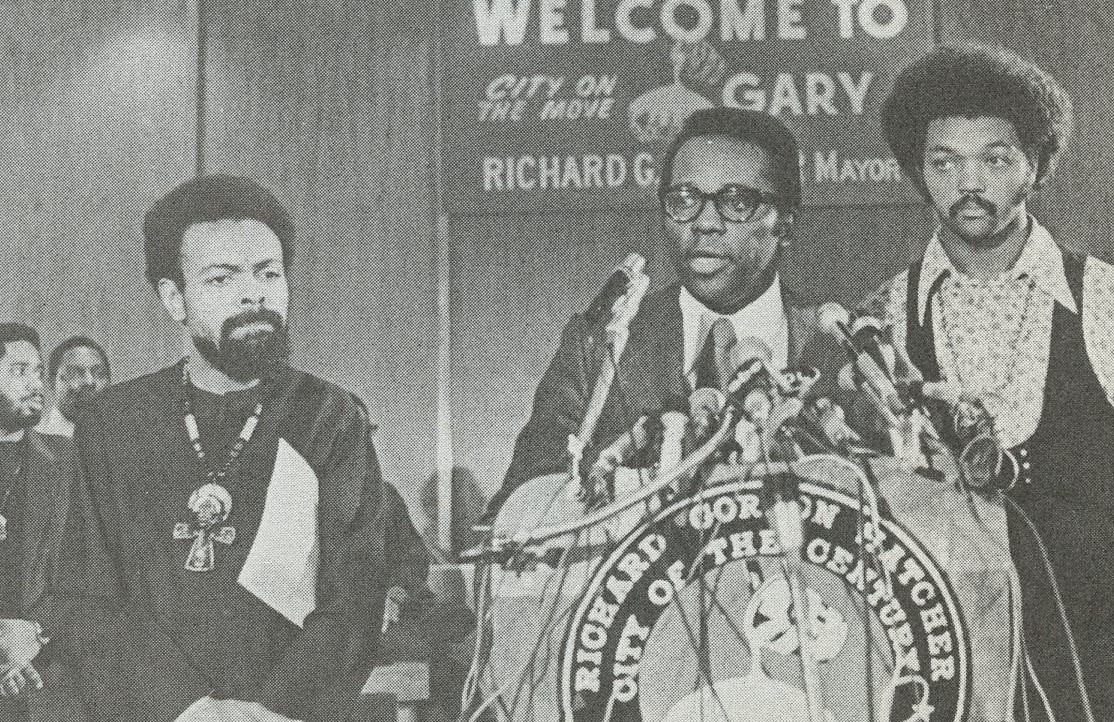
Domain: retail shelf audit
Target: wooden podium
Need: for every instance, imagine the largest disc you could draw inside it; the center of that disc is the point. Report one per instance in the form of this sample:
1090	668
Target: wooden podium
683	612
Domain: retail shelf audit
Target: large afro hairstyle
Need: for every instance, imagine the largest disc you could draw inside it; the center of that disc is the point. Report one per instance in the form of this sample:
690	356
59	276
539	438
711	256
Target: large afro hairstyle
976	81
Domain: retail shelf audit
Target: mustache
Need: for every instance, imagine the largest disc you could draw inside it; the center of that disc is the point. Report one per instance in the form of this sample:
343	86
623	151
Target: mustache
972	198
247	318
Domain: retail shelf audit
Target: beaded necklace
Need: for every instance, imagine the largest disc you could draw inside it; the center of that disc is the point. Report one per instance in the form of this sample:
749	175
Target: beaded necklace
210	503
216	475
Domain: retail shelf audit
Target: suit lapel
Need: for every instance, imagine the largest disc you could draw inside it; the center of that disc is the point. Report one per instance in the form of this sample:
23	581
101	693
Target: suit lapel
650	369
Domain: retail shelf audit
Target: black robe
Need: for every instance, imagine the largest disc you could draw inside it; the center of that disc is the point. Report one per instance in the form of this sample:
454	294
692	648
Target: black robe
152	637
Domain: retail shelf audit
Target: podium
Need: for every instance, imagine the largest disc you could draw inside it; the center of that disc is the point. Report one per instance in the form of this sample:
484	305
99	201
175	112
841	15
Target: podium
680	610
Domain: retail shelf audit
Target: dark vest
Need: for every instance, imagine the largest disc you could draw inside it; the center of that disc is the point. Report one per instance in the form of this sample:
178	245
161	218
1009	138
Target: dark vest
1065	488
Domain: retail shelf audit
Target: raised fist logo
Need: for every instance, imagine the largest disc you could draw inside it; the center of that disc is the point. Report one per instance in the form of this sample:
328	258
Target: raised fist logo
656	116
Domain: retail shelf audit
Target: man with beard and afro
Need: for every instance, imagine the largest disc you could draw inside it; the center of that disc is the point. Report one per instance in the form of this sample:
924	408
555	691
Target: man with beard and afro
1020	328
231	540
36	472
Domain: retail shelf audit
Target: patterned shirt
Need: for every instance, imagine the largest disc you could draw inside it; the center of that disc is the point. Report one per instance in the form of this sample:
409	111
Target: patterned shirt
993	337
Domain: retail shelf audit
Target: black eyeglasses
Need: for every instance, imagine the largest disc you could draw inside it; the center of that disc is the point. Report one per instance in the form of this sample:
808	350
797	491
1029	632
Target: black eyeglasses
736	203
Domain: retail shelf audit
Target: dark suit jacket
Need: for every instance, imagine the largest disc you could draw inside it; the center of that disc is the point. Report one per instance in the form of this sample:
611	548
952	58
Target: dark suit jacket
51	464
649	379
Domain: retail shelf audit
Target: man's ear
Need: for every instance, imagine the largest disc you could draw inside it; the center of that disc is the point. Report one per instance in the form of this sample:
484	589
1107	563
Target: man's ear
172	300
786	222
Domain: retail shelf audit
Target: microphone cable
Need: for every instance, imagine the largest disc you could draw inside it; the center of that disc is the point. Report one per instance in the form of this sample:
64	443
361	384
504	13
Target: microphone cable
1073	650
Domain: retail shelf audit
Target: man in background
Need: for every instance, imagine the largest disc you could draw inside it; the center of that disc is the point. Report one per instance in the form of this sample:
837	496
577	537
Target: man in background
36	472
78	370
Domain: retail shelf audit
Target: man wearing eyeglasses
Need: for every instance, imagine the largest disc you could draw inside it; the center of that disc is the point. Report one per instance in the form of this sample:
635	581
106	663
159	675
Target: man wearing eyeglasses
730	194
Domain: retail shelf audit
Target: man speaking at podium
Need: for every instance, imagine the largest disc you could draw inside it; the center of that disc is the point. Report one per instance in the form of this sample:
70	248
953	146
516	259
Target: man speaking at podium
231	540
730	194
1023	328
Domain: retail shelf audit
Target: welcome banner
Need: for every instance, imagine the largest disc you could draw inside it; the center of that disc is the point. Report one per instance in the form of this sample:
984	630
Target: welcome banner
567	104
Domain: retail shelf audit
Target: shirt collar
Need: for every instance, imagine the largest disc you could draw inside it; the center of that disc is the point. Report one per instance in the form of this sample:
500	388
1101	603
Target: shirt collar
1040	260
768	303
763	317
55	423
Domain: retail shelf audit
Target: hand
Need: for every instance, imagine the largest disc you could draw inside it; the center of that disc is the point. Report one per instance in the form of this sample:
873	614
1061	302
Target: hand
19	642
699	64
15	681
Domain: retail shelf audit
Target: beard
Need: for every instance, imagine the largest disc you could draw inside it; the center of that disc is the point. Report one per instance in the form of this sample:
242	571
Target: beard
249	357
14	417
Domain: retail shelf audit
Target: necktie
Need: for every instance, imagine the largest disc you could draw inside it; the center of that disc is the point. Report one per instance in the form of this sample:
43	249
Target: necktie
712	365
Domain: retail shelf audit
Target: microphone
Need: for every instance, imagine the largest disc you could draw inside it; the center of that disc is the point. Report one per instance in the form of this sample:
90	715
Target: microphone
829	419
705	405
598	488
863	343
860	334
866	335
672	439
834	320
749	389
613	289
620	299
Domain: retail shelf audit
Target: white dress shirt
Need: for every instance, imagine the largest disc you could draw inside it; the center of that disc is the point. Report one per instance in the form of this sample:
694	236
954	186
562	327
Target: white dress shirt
764	319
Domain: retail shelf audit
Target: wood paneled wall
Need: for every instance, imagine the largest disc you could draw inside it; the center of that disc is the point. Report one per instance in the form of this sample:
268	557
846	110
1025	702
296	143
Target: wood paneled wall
330	103
98	118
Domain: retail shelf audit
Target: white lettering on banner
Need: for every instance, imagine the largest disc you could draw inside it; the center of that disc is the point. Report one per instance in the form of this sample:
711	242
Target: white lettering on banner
577	109
551	21
505	22
502	111
894	18
590	33
677	31
509	86
830	167
591	170
738	24
789	20
821	94
501	21
625	24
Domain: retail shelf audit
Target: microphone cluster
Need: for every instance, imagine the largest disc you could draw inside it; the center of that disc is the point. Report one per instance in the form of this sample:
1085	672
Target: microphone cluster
771	412
772	416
